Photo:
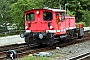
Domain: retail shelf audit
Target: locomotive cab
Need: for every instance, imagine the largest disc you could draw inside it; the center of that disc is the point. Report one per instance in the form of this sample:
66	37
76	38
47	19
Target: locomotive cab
38	22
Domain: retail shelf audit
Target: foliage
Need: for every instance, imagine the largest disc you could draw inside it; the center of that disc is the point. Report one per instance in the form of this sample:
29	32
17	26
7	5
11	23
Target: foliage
70	13
5	10
80	9
86	17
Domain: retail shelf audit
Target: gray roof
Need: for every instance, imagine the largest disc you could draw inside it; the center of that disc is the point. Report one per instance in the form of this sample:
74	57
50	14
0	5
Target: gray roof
56	10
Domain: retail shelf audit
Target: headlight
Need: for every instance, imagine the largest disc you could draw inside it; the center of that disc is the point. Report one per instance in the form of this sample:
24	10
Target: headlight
37	12
51	27
26	27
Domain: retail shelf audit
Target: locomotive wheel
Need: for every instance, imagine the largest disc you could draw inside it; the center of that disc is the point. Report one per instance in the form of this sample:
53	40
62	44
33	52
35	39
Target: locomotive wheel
50	42
27	40
80	37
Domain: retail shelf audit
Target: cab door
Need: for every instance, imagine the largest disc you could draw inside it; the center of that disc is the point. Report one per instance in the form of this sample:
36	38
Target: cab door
60	22
47	19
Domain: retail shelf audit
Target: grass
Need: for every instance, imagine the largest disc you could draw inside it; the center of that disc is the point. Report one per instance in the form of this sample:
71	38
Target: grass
55	55
39	57
33	58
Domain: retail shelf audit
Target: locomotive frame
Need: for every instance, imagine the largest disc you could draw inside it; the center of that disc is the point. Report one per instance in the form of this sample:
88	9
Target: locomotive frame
45	26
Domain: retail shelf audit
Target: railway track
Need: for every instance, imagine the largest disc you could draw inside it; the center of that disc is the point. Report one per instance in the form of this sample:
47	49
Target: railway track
82	56
23	49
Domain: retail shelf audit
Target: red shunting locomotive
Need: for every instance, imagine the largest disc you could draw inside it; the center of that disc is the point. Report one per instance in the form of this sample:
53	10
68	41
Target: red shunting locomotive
46	26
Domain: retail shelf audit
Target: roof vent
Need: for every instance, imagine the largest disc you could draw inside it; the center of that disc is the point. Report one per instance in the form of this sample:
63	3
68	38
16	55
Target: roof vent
46	8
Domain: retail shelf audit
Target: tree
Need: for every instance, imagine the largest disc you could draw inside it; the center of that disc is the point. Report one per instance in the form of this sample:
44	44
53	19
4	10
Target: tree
86	17
5	10
80	9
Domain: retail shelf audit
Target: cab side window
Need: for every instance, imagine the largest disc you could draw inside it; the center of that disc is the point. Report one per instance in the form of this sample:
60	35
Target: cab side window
30	16
60	16
47	16
63	15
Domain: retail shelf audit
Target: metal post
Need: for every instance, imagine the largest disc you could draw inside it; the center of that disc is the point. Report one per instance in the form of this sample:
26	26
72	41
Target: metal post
60	6
65	8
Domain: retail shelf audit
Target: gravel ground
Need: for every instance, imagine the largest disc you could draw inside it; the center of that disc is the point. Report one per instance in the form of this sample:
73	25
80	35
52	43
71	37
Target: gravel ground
71	50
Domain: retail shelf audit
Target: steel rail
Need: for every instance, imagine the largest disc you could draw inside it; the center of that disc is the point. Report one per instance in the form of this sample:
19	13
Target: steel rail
80	56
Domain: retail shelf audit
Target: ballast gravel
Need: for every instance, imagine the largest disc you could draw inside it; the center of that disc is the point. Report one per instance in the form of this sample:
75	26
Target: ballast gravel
71	50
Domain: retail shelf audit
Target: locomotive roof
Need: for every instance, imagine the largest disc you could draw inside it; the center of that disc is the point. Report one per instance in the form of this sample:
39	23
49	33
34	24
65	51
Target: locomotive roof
54	10
57	10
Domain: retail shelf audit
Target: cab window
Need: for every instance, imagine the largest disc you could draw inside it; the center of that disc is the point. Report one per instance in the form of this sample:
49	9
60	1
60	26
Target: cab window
30	16
47	16
61	16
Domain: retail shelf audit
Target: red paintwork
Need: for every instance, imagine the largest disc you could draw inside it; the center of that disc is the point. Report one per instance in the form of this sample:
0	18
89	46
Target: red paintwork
80	25
39	25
